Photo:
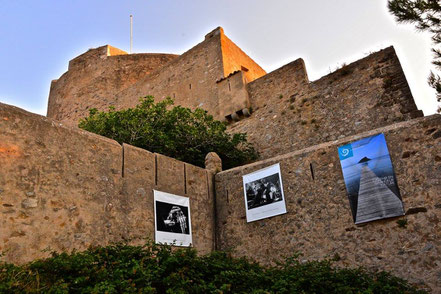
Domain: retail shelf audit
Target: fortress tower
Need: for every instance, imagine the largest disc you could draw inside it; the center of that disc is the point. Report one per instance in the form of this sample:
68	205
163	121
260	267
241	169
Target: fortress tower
284	111
108	76
64	188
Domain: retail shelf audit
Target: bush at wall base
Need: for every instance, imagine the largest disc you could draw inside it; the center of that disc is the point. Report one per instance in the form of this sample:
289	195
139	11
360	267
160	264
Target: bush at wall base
178	132
152	268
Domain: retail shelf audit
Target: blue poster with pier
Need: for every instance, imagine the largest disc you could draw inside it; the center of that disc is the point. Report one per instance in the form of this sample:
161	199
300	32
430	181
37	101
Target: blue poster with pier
370	180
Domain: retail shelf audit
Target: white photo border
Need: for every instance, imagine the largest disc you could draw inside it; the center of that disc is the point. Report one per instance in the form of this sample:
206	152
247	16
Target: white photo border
269	210
176	239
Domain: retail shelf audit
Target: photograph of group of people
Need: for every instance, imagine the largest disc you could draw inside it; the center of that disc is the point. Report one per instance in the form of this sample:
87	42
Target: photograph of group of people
263	191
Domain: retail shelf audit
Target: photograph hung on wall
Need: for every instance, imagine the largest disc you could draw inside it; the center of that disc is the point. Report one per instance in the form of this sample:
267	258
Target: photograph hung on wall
263	191
370	180
172	219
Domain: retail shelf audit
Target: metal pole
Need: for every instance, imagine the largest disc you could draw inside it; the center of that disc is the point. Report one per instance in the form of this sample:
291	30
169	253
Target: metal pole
131	33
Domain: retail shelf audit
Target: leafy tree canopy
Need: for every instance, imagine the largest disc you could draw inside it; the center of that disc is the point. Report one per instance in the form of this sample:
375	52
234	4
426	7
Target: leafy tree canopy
426	15
177	132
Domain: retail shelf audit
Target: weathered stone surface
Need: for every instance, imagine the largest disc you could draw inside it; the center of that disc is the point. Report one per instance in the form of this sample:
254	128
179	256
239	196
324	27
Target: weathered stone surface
213	162
185	80
202	207
290	114
74	193
234	95
94	77
145	171
428	246
29	203
46	169
139	167
170	175
234	59
135	208
107	76
319	221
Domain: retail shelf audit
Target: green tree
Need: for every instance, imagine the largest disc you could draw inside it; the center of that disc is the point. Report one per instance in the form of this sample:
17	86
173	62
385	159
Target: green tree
426	15
177	132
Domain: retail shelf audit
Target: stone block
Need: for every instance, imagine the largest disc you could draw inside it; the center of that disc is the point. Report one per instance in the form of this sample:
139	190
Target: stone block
46	169
202	208
170	175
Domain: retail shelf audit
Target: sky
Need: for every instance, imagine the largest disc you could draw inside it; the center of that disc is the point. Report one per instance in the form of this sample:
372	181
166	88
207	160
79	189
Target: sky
38	38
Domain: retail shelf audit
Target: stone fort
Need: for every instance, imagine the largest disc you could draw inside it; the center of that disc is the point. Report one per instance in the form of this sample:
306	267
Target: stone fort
62	188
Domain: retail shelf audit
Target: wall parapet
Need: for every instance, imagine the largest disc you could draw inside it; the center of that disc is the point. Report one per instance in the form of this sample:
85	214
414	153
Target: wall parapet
291	114
94	78
319	221
233	96
284	81
63	188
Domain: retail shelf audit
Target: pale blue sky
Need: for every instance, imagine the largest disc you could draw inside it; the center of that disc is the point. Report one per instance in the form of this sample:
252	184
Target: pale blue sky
38	38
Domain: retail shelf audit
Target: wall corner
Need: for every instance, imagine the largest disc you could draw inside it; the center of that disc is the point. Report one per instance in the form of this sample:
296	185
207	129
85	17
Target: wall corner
217	31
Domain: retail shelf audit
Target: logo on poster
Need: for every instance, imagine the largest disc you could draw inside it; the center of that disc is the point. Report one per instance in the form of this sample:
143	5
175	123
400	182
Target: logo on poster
345	151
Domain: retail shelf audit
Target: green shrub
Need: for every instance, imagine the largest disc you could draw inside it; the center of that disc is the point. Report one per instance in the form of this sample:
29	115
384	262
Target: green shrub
177	132
402	223
151	268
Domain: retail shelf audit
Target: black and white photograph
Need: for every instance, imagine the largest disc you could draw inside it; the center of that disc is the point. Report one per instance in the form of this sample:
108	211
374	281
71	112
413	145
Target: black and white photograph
172	219
264	193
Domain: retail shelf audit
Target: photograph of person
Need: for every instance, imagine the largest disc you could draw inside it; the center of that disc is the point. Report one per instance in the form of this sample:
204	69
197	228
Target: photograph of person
172	219
263	191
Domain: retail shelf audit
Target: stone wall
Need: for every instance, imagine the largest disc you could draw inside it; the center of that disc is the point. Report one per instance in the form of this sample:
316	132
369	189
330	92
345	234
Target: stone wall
189	79
95	77
107	76
233	95
319	222
63	188
290	114
234	59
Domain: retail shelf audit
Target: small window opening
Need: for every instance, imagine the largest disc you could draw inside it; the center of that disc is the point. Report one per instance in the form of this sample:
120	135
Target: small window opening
190	86
240	114
312	171
229	86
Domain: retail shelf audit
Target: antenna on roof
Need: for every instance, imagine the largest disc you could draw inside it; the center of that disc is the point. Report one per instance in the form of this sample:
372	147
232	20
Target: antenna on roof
131	33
